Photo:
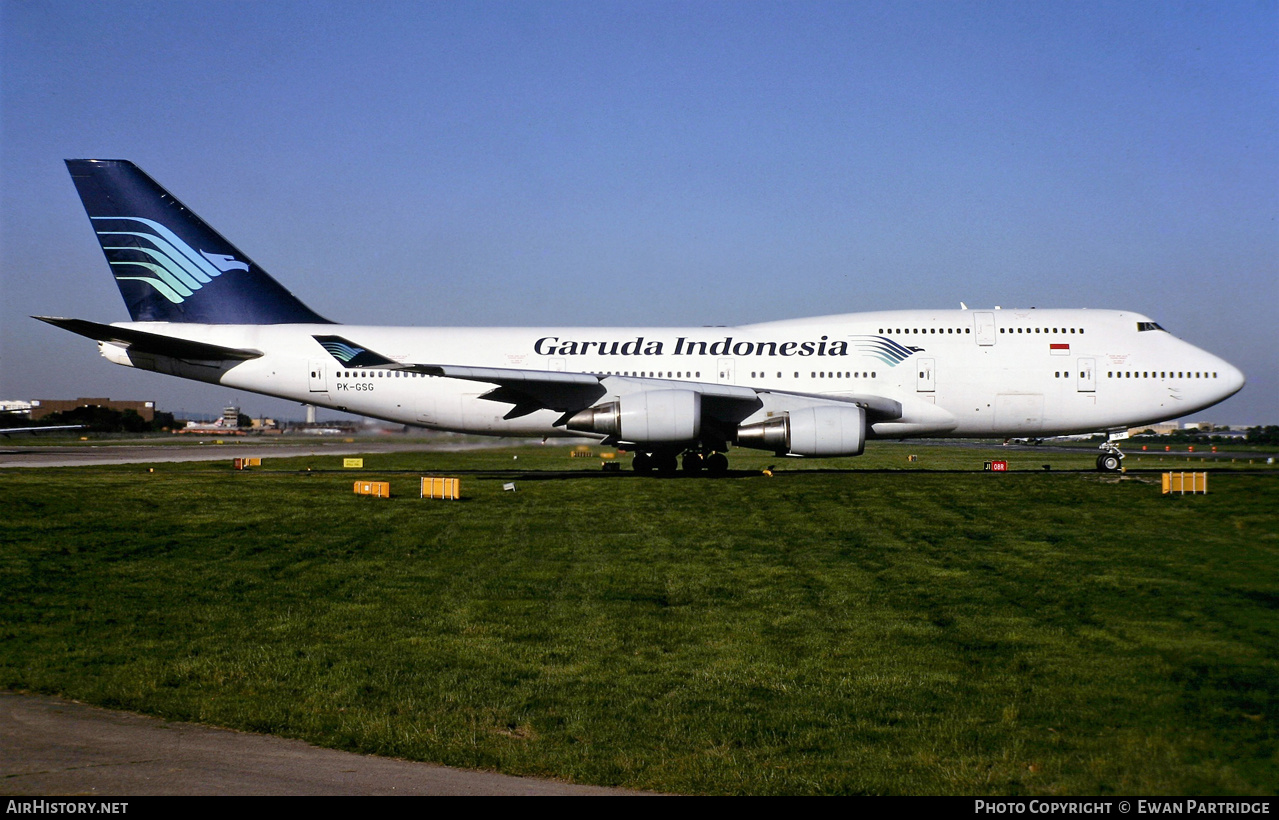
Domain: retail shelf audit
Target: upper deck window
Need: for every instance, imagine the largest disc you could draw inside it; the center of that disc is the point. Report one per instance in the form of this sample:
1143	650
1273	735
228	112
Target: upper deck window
1149	326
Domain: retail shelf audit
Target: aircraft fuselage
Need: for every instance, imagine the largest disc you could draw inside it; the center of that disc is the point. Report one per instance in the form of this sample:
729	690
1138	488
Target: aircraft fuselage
955	373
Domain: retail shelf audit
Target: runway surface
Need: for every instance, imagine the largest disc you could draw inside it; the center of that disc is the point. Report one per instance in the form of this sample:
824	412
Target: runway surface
12	455
50	746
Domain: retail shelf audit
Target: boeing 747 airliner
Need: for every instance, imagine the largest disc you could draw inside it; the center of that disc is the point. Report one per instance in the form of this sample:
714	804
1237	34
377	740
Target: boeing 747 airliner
202	309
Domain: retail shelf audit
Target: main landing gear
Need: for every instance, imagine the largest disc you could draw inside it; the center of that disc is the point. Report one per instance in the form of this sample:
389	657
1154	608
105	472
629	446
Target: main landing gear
669	461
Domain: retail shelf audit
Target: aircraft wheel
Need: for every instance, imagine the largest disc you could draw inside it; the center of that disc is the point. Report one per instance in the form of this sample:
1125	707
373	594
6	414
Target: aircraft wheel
642	463
1108	463
717	464
665	462
693	463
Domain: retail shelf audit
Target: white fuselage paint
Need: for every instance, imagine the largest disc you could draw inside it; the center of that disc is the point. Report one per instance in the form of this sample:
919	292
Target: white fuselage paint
972	373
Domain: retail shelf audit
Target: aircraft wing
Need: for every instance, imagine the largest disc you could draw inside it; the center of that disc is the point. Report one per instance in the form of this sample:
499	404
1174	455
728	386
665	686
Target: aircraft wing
531	390
581	386
566	392
527	390
153	343
878	408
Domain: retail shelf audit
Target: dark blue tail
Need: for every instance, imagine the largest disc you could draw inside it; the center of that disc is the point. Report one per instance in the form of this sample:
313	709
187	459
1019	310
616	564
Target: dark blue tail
171	266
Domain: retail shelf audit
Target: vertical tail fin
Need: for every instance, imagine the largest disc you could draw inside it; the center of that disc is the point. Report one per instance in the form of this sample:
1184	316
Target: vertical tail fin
169	265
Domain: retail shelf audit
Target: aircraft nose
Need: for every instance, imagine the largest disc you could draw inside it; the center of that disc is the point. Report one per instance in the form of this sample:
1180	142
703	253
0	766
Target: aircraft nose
1232	379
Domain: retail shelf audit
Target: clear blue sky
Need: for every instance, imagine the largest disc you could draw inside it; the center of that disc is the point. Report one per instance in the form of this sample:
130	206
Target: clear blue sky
494	163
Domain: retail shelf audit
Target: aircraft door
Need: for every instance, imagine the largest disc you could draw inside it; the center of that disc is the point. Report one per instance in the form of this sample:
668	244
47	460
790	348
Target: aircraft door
984	327
317	381
1087	380
927	383
726	372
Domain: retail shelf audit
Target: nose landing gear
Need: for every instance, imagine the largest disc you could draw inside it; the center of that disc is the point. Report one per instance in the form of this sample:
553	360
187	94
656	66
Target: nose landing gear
1109	463
1111	460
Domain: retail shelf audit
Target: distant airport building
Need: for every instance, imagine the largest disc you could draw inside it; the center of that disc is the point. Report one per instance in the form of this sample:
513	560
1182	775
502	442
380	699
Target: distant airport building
45	407
1161	429
229	422
1167	428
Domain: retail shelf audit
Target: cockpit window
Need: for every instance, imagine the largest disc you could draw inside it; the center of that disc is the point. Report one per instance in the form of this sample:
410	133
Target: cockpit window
1149	326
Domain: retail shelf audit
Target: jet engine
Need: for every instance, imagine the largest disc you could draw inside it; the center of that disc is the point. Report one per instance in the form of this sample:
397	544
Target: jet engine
651	417
824	430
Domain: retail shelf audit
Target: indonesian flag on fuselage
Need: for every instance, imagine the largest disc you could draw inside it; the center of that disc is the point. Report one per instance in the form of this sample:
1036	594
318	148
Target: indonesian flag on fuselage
1059	348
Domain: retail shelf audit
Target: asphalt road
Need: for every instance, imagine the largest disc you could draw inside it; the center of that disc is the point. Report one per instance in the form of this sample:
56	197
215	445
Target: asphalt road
57	747
15	455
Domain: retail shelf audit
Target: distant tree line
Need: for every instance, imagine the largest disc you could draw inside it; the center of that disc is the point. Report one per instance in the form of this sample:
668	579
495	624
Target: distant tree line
1255	435
1264	435
106	420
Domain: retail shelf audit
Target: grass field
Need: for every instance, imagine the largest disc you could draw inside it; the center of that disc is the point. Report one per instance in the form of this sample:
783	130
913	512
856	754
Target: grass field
868	625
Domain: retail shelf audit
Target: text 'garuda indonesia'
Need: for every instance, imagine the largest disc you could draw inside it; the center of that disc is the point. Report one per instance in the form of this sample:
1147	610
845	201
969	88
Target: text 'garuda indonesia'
639	346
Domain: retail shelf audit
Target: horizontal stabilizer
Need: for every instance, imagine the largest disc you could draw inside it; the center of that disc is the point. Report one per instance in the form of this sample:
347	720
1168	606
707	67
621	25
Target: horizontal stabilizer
39	431
153	343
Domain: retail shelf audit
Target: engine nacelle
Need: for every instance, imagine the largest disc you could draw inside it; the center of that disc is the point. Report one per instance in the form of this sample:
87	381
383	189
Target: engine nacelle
651	417
824	430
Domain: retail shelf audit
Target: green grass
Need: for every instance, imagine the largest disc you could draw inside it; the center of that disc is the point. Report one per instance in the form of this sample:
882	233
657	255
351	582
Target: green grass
869	625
